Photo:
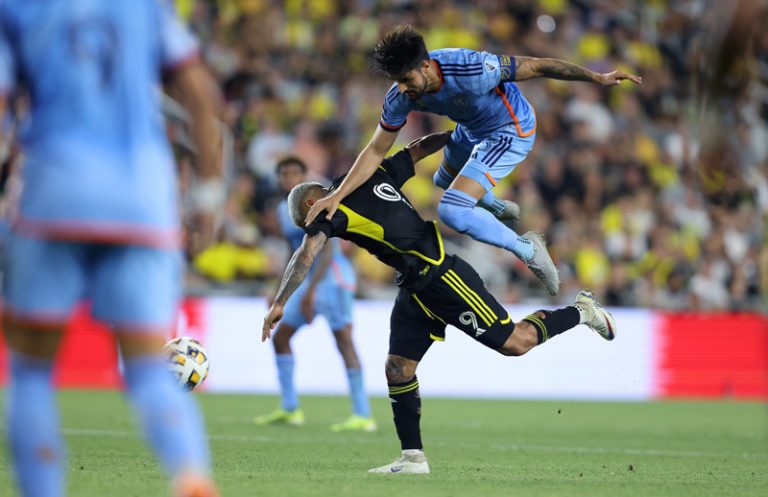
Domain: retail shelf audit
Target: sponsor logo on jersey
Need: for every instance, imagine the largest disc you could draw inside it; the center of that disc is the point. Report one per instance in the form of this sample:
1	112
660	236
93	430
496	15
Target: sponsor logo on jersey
387	192
489	67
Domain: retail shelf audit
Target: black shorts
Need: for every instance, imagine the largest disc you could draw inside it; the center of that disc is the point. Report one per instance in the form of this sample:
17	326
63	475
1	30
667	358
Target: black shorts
457	297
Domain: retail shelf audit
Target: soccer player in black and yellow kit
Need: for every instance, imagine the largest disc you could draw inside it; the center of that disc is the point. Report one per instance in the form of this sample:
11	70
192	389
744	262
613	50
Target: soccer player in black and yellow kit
436	289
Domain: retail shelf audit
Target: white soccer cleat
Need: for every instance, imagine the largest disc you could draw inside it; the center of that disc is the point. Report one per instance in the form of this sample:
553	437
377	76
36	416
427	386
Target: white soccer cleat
594	316
541	263
511	212
405	464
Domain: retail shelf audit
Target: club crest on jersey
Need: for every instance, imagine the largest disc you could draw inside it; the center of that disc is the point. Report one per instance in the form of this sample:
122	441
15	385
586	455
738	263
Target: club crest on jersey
460	101
387	192
468	317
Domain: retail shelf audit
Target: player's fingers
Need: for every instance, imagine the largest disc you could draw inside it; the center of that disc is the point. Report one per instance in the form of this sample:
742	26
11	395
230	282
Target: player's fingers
330	210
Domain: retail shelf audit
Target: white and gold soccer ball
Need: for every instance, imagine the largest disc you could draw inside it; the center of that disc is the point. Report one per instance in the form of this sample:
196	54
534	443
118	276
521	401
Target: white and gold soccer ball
188	361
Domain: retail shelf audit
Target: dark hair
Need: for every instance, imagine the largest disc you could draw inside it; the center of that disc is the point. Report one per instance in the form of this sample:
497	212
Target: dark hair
291	160
400	51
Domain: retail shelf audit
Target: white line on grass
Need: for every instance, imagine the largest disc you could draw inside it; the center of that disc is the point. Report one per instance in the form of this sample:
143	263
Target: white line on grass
85	432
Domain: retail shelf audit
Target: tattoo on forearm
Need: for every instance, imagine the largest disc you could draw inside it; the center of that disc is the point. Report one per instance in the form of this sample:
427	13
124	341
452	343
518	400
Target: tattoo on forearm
299	266
560	69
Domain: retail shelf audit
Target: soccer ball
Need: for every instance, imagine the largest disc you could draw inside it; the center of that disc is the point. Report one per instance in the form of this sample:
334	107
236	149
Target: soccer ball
188	361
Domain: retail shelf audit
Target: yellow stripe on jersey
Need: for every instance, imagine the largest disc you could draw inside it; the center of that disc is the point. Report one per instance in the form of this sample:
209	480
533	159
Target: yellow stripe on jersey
361	225
436	338
426	309
488	311
466	298
506	321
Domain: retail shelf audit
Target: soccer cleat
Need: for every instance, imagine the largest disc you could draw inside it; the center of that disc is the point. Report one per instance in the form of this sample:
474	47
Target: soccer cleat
594	316
511	212
405	464
192	485
541	263
355	423
281	416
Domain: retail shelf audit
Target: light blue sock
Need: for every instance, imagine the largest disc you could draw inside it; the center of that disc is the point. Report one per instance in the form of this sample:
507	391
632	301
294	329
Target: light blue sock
442	178
457	210
357	392
33	427
170	417
492	204
489	202
285	367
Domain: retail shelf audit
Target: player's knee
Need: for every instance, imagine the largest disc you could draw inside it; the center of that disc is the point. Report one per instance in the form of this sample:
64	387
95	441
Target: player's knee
455	216
399	369
523	339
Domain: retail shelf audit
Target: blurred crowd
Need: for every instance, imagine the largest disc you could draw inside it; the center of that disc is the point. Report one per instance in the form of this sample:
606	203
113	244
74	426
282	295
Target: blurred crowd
615	179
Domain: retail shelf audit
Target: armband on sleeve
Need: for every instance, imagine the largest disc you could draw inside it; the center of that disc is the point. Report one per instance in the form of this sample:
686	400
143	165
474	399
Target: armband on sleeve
507	67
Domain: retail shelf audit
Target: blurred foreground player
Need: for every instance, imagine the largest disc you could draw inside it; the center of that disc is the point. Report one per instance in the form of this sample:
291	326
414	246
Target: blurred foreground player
98	217
328	292
436	289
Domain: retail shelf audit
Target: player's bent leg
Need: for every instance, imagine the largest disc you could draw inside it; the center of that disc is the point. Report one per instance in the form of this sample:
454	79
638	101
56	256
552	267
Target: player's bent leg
170	418
444	176
289	412
520	341
361	419
406	407
37	450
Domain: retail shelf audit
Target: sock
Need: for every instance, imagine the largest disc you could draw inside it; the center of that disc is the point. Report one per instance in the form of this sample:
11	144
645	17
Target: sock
285	367
492	204
457	210
406	407
489	202
170	417
554	322
33	427
443	178
357	393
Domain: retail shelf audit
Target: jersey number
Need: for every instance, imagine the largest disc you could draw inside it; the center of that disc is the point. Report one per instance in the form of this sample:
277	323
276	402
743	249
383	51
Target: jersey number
94	41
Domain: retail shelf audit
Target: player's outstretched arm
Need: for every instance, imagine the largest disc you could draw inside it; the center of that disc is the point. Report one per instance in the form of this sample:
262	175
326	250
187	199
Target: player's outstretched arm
363	168
427	145
295	273
532	67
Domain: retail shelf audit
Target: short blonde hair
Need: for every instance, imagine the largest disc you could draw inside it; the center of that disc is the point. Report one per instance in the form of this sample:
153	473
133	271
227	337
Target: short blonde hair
296	200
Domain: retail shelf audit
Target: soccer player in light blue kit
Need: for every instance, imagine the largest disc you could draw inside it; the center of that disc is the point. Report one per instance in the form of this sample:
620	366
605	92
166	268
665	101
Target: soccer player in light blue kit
98	216
328	291
496	128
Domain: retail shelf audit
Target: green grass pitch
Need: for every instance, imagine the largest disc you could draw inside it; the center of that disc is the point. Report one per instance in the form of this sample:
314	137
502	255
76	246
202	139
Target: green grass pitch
475	448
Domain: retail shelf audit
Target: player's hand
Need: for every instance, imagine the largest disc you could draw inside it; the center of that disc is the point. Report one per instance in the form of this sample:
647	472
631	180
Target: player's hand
274	315
616	77
308	305
329	203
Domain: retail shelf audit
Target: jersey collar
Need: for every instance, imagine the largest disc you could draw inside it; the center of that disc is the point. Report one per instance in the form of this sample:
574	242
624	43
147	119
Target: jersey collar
440	74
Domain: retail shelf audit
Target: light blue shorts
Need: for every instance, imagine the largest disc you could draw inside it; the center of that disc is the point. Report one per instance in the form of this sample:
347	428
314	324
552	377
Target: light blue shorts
489	159
333	298
134	288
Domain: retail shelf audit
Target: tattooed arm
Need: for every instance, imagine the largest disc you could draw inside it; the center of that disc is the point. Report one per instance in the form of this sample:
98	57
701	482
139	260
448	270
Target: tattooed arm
295	273
532	67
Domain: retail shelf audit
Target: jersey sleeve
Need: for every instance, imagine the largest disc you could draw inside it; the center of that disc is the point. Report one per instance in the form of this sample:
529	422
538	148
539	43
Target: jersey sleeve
400	167
396	109
331	228
7	61
479	73
178	46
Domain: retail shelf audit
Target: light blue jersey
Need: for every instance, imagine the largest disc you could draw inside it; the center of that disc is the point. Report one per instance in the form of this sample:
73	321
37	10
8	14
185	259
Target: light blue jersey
98	165
335	291
475	92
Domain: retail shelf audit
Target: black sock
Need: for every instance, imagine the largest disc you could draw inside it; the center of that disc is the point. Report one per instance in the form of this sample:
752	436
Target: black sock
406	406
554	322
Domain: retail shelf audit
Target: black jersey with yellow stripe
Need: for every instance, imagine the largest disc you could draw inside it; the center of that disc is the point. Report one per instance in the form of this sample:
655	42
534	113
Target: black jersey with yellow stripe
378	217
